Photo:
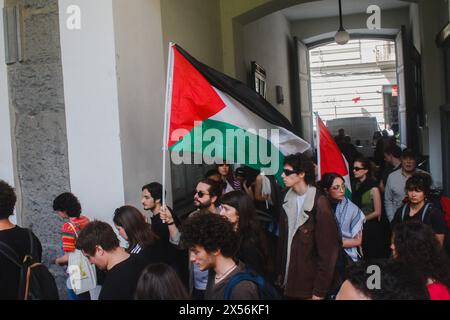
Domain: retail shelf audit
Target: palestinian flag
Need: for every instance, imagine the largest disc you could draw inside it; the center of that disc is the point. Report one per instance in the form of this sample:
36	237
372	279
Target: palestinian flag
330	157
216	118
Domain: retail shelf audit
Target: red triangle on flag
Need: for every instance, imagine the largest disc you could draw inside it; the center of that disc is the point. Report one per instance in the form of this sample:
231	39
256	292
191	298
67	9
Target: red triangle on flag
193	97
331	157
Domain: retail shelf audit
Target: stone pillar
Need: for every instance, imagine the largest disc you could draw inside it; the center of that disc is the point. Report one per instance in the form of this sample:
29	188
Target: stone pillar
37	100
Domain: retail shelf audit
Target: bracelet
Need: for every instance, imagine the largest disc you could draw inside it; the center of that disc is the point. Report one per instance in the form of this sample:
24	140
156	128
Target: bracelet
169	224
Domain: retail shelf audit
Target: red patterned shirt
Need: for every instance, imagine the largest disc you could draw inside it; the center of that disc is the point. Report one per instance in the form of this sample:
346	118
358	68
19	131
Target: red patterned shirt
70	230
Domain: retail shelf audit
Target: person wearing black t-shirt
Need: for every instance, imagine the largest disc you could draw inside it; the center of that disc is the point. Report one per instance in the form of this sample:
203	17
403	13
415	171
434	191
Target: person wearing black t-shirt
100	244
417	207
152	204
17	239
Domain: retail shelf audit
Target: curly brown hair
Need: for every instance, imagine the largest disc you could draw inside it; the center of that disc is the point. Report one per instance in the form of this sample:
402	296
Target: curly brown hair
416	245
7	200
212	232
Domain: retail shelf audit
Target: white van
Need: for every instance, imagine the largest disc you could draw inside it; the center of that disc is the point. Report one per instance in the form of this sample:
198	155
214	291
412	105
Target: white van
358	128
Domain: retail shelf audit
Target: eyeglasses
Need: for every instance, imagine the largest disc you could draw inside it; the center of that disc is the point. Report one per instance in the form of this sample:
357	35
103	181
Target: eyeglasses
358	169
288	172
200	194
338	187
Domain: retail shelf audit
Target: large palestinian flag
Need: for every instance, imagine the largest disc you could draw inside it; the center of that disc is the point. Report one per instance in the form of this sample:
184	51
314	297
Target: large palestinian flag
214	117
330	157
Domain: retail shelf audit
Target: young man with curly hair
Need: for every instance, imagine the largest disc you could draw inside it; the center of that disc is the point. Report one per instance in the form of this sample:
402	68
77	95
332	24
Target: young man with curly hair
206	196
213	243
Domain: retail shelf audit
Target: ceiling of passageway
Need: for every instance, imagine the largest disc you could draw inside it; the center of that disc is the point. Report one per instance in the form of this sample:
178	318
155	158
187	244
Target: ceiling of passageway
329	8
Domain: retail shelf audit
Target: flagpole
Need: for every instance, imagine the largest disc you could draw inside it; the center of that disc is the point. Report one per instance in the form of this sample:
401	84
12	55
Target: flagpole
319	175
167	110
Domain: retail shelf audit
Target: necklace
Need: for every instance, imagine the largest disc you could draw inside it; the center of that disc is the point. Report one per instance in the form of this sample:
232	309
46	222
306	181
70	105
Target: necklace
226	272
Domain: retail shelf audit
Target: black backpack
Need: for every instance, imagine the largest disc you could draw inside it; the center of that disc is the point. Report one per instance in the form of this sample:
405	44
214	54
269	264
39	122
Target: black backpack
265	289
36	282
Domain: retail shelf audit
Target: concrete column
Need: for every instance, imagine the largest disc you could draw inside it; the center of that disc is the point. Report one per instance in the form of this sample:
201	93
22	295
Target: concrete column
39	127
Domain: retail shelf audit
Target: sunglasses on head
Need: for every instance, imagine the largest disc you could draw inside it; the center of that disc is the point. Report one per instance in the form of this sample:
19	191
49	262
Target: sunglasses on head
200	194
288	172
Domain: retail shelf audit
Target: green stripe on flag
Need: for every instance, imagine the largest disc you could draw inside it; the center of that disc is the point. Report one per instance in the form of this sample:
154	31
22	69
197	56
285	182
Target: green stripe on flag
216	139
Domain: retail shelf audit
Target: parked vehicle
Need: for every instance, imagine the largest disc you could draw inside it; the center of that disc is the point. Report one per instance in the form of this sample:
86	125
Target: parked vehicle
358	128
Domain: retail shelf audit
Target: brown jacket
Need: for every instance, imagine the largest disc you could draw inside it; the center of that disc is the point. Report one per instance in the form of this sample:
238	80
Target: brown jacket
314	248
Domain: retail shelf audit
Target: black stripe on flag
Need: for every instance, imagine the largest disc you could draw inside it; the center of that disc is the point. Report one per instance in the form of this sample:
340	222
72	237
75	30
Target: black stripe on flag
241	92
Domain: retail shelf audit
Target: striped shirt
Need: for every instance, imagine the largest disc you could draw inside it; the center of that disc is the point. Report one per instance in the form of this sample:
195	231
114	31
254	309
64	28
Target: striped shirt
70	230
137	248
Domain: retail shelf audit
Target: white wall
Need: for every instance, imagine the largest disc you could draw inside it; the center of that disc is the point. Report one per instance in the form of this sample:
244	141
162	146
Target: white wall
195	26
6	157
92	108
141	89
267	41
415	25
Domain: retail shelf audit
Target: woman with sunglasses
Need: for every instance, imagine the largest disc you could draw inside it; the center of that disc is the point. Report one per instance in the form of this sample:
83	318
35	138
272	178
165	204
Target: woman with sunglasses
349	217
253	251
367	196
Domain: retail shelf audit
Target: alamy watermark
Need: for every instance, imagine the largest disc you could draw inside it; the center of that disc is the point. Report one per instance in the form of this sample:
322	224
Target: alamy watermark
373	282
73	22
374	21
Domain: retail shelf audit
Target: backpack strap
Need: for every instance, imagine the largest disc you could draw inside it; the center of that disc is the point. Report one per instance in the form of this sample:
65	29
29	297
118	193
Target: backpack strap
32	245
10	254
403	212
74	229
237	278
425	211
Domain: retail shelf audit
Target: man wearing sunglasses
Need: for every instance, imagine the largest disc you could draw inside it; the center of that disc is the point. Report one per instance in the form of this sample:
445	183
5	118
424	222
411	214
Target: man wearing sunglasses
206	195
309	237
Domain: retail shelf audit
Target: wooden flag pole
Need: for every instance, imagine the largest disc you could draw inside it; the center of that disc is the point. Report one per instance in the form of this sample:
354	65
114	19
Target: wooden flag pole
167	111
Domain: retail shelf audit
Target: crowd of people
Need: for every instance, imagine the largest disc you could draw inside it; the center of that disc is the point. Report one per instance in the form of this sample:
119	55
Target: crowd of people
250	238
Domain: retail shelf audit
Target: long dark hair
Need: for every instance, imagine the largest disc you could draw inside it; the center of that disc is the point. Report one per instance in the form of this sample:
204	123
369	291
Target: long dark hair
417	246
367	164
244	207
248	228
230	178
160	282
137	229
